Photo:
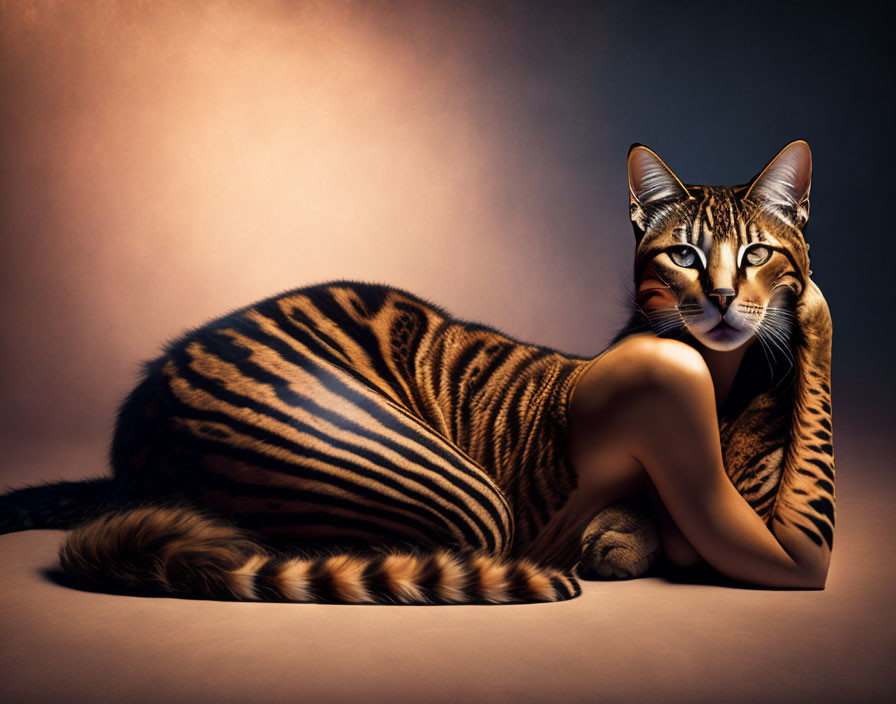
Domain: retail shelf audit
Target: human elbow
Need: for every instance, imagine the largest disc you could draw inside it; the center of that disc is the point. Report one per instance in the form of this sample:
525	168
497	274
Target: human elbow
817	577
812	572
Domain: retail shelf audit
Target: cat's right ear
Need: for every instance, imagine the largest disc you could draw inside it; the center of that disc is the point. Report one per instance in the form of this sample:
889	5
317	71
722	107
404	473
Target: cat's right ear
784	184
650	183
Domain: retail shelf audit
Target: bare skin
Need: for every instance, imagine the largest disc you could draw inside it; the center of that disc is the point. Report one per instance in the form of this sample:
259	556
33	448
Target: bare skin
645	413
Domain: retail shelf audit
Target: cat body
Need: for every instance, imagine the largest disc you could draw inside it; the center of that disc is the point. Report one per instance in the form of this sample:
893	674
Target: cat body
354	442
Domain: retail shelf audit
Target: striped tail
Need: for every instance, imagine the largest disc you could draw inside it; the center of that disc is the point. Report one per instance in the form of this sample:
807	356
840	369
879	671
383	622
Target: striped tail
181	552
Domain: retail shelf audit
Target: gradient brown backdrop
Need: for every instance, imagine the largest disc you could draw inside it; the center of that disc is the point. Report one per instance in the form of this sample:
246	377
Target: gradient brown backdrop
163	162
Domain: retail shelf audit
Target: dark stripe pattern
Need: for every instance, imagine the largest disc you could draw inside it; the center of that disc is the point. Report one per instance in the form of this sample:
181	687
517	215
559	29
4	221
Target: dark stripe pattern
357	414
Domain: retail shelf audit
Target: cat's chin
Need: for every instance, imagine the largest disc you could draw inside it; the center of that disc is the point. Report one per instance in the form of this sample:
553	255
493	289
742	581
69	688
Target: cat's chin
723	337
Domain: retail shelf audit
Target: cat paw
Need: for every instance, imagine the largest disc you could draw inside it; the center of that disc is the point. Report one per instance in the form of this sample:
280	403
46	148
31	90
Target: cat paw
621	542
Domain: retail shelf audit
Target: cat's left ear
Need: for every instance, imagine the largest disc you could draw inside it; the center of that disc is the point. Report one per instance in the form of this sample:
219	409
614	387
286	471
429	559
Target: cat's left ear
785	183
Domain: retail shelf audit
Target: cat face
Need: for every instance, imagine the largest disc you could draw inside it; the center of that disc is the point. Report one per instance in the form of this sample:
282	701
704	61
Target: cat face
723	264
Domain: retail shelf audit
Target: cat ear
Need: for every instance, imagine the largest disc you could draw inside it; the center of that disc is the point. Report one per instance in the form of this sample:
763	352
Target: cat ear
785	183
650	183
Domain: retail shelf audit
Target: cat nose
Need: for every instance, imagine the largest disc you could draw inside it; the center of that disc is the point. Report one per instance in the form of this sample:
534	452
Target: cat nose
722	297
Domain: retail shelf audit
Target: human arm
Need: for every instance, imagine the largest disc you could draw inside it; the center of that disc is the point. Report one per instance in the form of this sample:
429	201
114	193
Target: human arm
685	467
802	516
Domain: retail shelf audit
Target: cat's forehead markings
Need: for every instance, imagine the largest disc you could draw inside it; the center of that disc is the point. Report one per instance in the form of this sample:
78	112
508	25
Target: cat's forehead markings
698	230
738	222
707	230
714	215
710	220
720	213
742	231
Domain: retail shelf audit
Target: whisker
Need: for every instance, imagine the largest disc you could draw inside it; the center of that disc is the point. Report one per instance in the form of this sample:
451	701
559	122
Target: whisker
663	320
765	351
783	349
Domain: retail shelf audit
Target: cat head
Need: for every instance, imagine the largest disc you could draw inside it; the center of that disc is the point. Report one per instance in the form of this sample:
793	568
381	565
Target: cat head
721	263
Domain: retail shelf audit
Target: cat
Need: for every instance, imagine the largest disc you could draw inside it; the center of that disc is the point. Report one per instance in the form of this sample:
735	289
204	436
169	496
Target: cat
353	442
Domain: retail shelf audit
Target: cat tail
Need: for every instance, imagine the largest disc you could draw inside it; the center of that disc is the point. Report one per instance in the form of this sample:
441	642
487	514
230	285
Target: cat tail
60	505
179	551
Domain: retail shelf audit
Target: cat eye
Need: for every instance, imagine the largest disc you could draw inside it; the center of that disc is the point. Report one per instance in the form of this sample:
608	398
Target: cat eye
683	256
757	255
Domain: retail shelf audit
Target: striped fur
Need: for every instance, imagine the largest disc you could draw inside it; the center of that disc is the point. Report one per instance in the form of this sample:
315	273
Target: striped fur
182	552
338	419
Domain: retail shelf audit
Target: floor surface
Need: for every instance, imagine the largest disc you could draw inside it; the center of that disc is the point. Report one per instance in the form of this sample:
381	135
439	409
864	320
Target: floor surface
642	640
